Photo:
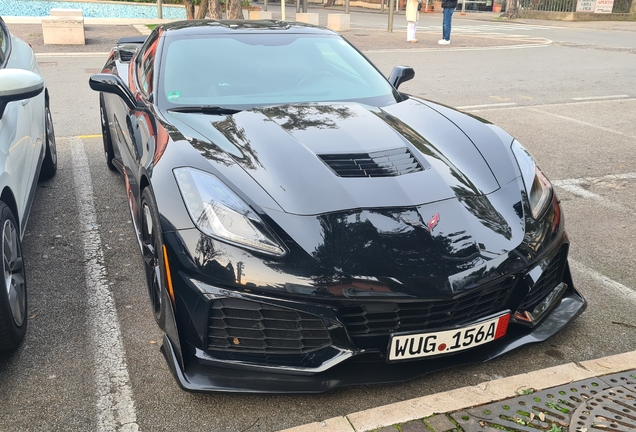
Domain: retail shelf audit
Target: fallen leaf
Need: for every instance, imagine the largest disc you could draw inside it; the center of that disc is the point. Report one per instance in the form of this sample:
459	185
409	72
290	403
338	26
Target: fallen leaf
34	315
153	342
531	417
541	416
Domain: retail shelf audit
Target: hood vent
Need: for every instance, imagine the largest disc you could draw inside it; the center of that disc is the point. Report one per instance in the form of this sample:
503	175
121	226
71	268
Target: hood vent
386	163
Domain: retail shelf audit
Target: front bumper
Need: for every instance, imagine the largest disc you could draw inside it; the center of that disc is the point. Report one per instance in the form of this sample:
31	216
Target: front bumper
340	335
364	368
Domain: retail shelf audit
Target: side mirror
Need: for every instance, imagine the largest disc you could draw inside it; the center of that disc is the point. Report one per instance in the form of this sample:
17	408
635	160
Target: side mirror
401	74
18	84
108	83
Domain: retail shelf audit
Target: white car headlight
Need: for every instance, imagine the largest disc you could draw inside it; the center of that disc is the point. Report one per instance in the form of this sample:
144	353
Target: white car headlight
538	187
220	213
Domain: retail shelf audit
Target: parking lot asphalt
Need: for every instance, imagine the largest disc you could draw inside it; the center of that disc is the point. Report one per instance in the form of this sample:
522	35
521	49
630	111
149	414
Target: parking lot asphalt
101	37
452	410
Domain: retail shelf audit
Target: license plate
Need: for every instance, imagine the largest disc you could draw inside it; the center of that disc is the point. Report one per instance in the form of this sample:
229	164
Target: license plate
403	347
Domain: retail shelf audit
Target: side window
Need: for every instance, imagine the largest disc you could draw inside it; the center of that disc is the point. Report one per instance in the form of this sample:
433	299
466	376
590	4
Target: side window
5	47
146	64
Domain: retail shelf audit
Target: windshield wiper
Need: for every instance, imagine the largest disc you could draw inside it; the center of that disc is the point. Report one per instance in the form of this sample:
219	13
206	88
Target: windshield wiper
205	109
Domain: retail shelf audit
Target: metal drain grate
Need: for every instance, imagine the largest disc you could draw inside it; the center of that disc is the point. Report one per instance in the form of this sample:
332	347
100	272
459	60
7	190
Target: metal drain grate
598	404
625	379
613	409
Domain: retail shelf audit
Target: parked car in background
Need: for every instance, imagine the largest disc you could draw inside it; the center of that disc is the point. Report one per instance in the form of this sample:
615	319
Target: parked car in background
27	154
304	225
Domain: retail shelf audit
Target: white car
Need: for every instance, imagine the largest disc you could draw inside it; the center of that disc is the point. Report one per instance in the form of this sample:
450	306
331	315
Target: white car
27	154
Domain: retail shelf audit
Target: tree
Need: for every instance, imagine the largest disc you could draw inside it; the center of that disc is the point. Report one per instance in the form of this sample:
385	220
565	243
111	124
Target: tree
203	9
512	9
234	9
215	9
189	7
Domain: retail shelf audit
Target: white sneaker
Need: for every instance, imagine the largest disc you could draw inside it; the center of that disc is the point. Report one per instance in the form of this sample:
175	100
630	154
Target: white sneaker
443	42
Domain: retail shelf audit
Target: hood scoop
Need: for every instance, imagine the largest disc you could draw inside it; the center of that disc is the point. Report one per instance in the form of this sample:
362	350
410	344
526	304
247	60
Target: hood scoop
385	163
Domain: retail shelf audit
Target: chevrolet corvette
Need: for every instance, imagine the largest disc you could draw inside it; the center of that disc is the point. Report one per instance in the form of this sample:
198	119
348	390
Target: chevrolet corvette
304	225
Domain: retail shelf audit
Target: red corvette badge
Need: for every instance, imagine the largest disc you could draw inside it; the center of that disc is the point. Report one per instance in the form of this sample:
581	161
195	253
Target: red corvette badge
433	222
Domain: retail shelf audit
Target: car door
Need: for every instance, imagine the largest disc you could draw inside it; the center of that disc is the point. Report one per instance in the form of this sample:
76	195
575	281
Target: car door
137	129
18	144
145	122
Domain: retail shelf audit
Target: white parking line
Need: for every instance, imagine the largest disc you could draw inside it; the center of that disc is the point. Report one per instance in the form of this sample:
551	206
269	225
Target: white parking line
545	43
600	97
616	288
115	405
467	107
554	105
575	187
581	122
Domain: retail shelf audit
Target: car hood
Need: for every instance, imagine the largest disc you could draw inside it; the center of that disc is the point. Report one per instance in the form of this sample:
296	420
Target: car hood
287	150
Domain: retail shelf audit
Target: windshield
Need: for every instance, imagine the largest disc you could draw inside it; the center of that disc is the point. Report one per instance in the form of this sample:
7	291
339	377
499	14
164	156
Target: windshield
246	70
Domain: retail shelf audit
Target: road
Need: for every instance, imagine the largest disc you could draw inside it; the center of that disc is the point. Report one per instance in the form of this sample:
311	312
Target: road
91	358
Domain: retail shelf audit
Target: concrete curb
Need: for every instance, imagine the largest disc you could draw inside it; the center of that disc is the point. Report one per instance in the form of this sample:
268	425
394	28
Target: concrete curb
467	397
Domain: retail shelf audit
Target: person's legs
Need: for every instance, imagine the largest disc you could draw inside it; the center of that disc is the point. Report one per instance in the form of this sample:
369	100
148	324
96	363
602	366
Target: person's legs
410	31
446	24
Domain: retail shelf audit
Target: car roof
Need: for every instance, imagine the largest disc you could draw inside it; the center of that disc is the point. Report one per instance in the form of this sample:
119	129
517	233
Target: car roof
241	26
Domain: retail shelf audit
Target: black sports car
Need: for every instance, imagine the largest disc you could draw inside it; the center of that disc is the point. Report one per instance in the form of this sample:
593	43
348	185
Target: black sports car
306	226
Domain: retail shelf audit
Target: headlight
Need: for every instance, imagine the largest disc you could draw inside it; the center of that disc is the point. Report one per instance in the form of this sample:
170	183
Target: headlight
538	187
219	213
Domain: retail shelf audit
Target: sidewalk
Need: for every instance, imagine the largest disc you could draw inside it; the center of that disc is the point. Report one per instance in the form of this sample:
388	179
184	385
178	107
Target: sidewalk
589	396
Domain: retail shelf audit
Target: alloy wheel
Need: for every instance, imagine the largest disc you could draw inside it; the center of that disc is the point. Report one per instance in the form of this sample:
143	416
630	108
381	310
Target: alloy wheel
14	280
152	260
50	136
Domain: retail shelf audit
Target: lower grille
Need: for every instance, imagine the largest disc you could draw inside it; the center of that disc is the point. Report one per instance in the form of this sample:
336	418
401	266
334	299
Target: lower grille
237	325
381	319
550	278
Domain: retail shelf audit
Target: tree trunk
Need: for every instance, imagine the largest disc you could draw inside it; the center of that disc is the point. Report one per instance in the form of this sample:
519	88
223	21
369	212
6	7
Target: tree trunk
215	10
203	9
512	9
234	9
189	7
329	3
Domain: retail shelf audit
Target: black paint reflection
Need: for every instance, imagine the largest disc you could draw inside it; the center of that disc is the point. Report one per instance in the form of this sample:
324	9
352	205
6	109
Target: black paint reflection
487	214
464	185
390	243
207	258
302	117
237	136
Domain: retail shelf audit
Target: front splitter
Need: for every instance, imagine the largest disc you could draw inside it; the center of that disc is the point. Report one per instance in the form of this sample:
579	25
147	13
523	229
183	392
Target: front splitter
366	368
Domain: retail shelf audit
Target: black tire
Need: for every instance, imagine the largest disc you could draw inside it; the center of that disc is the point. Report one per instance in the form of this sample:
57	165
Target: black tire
13	292
49	165
109	153
152	252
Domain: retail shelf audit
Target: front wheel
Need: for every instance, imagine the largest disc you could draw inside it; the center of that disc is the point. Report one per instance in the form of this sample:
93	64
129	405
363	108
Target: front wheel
152	251
13	294
49	165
